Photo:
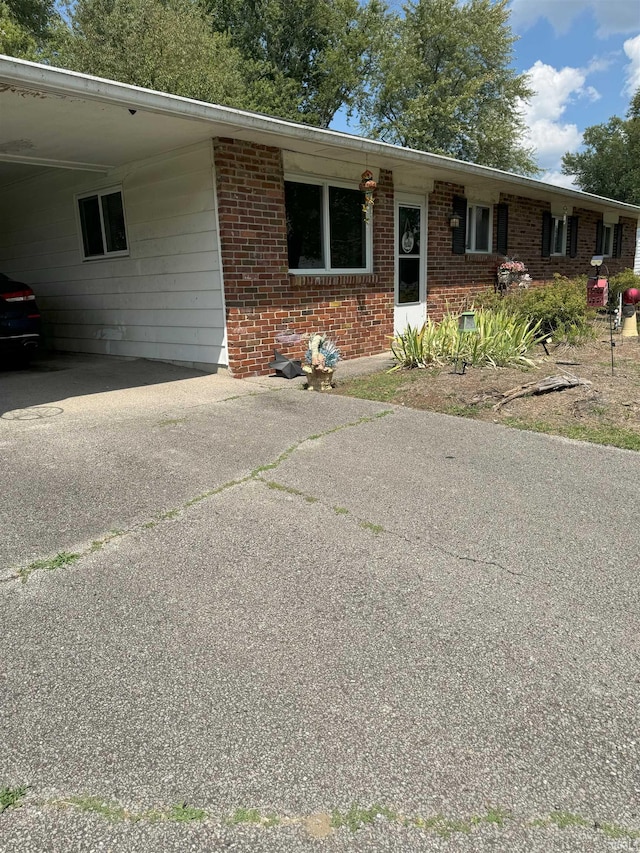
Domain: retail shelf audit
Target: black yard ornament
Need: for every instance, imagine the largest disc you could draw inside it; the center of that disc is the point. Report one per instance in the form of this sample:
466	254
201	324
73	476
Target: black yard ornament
287	367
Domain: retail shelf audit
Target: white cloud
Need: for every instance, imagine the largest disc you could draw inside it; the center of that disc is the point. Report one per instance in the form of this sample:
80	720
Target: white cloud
612	16
555	89
632	49
559	180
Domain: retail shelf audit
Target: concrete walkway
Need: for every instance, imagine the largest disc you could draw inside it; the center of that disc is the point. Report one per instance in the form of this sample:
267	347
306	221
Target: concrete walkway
240	616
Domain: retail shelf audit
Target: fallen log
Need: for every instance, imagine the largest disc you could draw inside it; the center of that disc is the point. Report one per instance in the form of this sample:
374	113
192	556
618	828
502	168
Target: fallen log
550	383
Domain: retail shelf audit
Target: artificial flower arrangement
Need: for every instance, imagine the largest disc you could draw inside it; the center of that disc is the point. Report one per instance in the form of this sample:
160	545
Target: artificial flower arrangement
512	267
322	352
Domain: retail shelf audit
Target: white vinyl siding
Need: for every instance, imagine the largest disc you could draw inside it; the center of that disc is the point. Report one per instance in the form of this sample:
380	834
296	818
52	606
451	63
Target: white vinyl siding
163	300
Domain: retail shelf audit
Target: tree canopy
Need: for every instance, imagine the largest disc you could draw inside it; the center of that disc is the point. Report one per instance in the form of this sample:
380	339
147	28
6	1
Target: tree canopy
436	77
442	82
159	44
610	164
25	26
313	54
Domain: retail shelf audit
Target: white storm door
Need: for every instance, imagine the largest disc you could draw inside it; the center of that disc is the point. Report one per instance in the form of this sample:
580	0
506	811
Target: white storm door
410	260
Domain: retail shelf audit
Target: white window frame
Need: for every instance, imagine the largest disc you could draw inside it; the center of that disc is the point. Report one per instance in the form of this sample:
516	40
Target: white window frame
470	248
608	227
557	221
122	253
325	183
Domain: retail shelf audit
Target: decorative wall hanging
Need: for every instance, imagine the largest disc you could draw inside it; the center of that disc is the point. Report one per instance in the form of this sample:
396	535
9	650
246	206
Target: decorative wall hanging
368	186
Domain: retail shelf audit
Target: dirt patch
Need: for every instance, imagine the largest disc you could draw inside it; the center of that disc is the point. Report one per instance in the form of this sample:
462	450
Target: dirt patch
318	825
609	405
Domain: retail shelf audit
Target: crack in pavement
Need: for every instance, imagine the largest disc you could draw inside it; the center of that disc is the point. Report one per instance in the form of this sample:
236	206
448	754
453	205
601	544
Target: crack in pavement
326	821
22	573
378	529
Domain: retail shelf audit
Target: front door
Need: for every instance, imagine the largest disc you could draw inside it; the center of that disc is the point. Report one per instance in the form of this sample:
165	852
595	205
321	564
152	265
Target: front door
410	255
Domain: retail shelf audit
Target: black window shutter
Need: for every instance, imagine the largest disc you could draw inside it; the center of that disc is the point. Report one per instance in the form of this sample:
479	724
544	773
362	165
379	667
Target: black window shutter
572	236
617	241
546	234
502	212
599	237
459	234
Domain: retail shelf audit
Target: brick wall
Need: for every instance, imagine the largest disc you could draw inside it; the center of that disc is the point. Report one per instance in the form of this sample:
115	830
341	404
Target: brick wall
262	298
452	280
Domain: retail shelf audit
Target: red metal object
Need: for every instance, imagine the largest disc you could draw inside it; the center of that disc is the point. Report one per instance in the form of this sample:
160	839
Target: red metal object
631	296
597	292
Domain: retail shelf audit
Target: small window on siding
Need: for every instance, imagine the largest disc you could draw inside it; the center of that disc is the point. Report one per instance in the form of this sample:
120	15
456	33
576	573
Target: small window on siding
326	231
102	224
478	228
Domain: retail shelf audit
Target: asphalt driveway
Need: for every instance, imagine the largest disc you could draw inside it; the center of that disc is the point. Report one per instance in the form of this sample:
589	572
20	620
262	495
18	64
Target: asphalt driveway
239	616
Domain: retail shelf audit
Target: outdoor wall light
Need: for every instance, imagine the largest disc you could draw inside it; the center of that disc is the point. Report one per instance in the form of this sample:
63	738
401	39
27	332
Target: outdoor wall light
454	220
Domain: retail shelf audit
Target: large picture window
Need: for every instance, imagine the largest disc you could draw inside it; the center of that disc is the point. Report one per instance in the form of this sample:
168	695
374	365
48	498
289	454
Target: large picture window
326	230
102	224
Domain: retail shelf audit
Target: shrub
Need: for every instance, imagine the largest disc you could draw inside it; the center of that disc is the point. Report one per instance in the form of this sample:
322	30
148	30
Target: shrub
560	309
502	340
621	282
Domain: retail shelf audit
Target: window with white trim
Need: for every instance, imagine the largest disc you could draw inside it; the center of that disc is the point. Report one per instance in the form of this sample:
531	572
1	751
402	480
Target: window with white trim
607	239
479	228
102	224
326	228
558	235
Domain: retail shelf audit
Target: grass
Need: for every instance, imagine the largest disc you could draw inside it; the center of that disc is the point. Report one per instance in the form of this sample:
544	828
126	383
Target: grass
353	819
184	813
379	386
611	436
242	815
377	529
384	387
114	812
60	561
11	797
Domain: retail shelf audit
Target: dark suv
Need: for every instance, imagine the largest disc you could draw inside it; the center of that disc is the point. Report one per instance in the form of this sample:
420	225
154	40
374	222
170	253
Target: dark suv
19	320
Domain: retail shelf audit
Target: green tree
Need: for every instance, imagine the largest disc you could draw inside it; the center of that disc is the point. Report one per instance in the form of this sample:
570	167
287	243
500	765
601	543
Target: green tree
25	26
442	82
161	45
312	55
610	164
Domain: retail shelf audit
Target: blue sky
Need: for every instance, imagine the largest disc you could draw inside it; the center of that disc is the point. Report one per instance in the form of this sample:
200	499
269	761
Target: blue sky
583	60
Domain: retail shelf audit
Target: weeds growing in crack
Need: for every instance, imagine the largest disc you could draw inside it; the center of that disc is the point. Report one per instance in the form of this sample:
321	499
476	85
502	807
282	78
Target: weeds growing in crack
12	797
184	813
65	558
114	812
353	819
376	529
62	559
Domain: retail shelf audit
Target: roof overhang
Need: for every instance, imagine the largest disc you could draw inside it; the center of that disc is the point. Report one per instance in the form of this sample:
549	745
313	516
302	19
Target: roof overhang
53	118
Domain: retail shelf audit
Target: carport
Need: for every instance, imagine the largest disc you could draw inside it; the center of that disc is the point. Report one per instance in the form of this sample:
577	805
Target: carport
72	149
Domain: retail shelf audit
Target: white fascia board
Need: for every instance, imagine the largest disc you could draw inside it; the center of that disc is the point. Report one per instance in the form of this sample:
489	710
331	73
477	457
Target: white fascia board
20	72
